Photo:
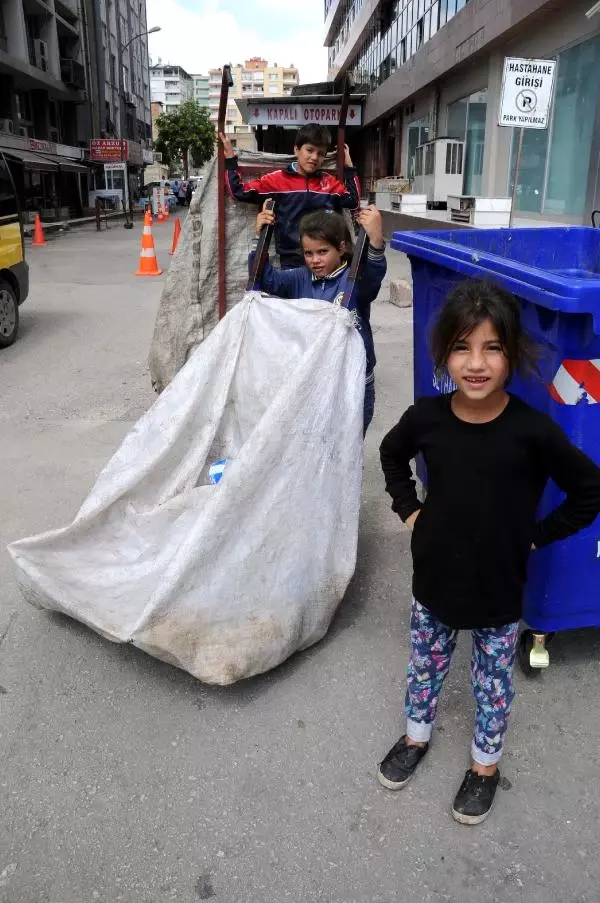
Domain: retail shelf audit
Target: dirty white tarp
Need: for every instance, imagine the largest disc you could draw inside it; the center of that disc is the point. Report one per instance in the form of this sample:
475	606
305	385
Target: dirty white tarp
224	581
188	309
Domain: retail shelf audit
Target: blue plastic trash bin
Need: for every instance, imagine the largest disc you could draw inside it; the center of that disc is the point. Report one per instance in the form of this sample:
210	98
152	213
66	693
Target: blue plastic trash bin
555	275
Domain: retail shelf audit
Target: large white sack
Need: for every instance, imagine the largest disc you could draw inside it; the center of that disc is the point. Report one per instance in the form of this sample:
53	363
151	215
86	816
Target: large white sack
224	581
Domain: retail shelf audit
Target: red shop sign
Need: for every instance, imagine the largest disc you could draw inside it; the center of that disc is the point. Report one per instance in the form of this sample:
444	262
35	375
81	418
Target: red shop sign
108	150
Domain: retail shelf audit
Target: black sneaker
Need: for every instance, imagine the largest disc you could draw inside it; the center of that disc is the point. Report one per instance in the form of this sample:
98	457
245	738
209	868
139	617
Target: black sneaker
400	764
474	800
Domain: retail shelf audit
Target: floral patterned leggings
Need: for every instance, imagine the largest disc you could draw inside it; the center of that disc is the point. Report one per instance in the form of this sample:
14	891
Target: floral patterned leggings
492	664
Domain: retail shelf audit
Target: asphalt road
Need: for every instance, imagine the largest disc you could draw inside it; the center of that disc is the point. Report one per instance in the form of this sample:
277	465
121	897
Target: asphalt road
124	779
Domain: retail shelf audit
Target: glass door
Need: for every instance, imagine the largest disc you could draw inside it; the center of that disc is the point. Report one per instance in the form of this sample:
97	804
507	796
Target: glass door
475	144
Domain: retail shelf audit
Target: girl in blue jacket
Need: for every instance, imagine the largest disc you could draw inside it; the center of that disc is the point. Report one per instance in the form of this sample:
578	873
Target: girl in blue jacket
327	250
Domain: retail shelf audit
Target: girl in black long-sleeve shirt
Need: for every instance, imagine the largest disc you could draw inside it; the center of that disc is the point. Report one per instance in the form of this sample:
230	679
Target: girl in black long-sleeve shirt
488	456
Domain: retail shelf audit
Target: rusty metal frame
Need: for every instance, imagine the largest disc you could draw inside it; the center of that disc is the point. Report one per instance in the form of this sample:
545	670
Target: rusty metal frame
341	132
226	84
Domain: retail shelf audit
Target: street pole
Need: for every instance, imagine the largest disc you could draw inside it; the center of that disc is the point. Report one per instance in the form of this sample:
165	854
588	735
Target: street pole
516	178
128	224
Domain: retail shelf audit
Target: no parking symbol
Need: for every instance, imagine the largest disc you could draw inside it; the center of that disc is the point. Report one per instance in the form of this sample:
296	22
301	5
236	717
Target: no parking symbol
526	101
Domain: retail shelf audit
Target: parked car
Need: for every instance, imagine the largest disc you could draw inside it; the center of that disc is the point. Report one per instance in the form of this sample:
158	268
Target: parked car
14	272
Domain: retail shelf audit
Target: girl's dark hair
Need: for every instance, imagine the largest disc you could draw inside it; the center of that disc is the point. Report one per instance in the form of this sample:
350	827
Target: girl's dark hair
325	225
471	303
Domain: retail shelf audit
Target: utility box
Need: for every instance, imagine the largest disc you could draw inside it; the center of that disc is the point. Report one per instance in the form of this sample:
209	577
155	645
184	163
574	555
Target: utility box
412	204
491	213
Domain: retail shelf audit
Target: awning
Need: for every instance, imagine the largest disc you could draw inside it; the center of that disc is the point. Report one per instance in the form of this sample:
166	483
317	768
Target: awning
65	164
31	160
43	162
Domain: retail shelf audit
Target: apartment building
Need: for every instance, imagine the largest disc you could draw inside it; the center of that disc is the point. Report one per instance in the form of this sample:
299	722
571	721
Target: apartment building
123	69
44	120
201	89
433	68
122	136
170	85
70	71
256	78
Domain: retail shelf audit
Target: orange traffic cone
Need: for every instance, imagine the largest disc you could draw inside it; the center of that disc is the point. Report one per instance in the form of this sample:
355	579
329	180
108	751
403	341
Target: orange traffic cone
148	262
176	234
38	234
166	213
160	216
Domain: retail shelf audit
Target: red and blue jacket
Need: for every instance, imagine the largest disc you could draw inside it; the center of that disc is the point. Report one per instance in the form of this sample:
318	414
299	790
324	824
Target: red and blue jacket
301	283
294	194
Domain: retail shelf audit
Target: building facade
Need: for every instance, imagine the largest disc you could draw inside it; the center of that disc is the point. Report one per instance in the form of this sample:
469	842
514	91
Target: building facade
170	85
256	78
44	119
70	71
121	91
201	90
433	68
123	70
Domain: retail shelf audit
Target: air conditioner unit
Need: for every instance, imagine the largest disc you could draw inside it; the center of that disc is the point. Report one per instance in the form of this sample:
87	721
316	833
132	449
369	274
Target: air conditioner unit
437	169
7	125
157	156
40	54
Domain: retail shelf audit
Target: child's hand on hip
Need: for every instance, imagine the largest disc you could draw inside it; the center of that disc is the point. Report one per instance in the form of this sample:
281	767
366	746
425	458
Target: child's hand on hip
410	521
266	217
370	219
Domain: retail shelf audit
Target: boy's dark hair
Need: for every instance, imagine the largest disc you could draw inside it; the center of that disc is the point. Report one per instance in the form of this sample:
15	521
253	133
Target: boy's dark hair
317	135
326	225
471	303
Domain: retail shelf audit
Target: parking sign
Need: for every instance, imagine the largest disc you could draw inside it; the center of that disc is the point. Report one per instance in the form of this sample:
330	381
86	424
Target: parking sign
527	87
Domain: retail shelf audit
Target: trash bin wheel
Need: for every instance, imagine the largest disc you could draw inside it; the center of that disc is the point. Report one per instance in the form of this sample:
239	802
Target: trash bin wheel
524	648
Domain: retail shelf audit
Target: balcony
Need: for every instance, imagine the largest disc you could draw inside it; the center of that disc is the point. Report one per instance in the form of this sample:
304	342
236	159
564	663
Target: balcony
72	74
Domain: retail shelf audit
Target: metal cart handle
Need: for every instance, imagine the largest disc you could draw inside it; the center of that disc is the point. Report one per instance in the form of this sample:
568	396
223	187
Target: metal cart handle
360	252
261	253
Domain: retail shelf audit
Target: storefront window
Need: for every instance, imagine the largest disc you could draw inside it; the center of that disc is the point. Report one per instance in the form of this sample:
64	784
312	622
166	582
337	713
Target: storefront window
466	121
554	162
457	119
8	203
40	190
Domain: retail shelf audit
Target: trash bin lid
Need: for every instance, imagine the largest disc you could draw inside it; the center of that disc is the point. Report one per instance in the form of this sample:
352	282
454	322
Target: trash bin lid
554	267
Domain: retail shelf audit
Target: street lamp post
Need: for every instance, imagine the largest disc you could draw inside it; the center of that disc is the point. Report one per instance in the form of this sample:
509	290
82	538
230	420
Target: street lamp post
126	201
